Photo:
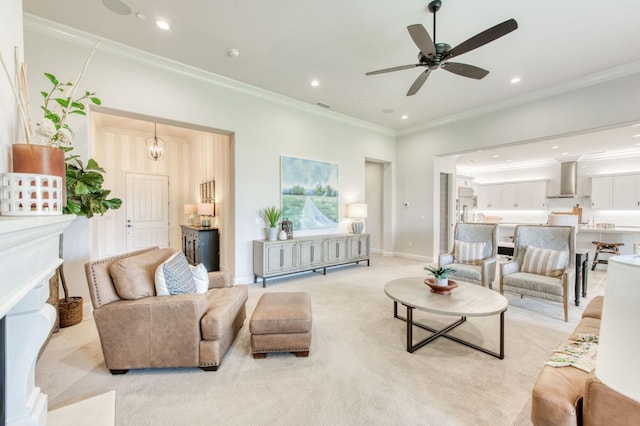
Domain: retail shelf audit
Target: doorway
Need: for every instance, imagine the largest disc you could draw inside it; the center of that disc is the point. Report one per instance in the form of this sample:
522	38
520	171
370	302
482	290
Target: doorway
147	210
374	198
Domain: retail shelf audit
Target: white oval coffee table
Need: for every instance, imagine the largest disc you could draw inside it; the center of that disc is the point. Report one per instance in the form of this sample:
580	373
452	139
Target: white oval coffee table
467	300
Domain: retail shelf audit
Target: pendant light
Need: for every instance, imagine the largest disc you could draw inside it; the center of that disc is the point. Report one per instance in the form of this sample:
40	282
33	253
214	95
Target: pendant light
155	146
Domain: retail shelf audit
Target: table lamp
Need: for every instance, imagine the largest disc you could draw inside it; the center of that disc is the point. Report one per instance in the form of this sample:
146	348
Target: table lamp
205	210
190	211
357	212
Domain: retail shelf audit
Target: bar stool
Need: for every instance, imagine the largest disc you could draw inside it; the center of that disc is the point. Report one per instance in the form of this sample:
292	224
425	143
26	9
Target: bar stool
609	248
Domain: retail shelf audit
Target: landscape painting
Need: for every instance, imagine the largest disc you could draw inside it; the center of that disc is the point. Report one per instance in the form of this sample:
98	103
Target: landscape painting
309	193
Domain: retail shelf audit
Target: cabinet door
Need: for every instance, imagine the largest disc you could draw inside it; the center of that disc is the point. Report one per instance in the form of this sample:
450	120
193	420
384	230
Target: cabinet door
310	253
280	257
359	247
625	193
509	201
336	250
601	192
538	195
490	197
523	196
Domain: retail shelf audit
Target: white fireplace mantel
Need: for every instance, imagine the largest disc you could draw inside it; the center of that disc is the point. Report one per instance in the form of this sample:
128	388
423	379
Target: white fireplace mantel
28	258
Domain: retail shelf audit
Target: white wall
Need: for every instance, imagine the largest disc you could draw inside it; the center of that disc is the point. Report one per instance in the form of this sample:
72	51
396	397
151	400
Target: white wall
10	37
604	104
265	126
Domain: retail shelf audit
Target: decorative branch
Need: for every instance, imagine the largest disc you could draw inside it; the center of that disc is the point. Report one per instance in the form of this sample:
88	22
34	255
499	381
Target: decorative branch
21	107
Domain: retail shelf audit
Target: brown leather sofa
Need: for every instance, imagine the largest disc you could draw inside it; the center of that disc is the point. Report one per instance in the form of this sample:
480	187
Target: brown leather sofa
564	396
185	330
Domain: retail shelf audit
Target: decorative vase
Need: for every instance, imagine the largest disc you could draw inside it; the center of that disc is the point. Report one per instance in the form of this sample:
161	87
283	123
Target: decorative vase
282	235
40	159
272	234
442	281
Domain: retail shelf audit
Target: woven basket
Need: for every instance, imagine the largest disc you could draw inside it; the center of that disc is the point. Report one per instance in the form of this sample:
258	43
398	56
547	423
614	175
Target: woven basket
70	312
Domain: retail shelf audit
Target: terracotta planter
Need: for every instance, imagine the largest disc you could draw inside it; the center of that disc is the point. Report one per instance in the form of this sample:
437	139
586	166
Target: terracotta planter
40	159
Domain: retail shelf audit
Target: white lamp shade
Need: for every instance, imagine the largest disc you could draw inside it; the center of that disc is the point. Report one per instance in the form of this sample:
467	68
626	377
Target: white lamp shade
617	365
190	209
357	210
205	209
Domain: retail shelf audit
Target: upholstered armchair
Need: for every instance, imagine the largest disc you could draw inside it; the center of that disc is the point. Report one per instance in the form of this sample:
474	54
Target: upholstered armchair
140	329
474	253
543	263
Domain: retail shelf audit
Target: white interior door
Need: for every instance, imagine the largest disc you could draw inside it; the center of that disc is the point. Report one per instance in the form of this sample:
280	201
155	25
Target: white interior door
147	205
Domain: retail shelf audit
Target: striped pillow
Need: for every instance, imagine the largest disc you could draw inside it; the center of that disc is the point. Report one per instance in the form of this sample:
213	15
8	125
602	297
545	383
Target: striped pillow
544	261
469	252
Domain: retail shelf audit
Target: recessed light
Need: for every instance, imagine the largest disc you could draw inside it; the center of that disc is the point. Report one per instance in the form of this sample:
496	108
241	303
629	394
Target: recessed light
515	80
555	147
404	117
315	83
565	153
163	25
637	136
495	156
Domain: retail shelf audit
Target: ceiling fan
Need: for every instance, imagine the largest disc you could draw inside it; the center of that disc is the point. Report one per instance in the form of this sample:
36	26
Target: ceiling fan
434	55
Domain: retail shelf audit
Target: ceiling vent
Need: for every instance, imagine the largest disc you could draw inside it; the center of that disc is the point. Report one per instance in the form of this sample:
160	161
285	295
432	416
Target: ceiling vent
320	104
569	181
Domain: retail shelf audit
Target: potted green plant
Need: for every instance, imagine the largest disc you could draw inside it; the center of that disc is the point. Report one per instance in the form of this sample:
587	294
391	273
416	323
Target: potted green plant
85	197
271	216
440	274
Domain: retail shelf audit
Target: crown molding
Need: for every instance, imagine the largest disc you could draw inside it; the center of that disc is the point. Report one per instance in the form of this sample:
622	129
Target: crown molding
536	95
56	30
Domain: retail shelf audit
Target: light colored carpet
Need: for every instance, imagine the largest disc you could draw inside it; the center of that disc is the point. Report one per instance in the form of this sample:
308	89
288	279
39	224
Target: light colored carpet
358	371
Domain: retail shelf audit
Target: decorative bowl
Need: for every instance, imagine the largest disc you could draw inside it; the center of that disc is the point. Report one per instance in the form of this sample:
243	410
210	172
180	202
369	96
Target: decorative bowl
440	289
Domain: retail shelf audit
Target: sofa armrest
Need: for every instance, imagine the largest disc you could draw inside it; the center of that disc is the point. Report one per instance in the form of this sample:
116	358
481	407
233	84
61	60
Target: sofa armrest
159	331
510	267
604	406
445	259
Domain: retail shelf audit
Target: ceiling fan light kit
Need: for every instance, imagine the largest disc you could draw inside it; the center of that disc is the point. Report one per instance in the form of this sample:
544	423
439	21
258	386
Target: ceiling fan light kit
434	55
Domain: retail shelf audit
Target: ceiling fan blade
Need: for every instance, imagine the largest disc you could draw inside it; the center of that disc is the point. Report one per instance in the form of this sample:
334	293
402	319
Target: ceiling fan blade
418	83
401	67
483	38
422	39
465	70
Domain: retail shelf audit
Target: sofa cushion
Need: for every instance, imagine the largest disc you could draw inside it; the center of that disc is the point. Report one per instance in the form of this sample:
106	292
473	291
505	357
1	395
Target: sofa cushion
223	305
469	252
173	276
544	261
134	276
201	277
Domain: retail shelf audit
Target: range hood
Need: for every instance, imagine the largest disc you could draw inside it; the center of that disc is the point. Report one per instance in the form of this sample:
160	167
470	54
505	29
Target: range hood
569	181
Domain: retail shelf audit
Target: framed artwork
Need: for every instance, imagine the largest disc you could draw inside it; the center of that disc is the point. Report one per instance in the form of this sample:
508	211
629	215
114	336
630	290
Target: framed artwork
208	193
309	193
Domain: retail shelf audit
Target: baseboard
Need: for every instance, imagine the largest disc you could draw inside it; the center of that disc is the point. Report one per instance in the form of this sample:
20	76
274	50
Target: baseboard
413	257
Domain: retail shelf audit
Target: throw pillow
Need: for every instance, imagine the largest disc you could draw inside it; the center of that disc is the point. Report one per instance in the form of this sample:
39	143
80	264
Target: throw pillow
468	252
201	277
544	261
133	276
174	277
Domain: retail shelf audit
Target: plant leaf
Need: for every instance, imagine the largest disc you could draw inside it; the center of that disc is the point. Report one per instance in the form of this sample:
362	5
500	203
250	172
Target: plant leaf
52	78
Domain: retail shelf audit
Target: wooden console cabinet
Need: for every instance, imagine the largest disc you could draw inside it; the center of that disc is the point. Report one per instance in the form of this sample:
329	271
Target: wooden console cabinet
201	245
276	258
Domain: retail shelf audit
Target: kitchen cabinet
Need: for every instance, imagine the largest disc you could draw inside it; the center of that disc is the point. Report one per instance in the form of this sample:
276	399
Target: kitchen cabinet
490	197
626	192
201	245
276	258
513	196
602	192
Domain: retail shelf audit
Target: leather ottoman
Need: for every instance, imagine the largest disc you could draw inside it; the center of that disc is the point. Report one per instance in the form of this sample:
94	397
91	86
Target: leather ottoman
281	322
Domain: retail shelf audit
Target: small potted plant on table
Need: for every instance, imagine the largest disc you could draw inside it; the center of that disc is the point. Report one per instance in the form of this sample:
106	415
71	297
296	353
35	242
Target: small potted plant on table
440	274
271	216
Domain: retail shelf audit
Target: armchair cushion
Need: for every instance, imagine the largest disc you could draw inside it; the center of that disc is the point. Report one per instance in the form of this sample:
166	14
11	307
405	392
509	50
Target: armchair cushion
173	276
466	272
133	277
535	285
544	261
469	252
